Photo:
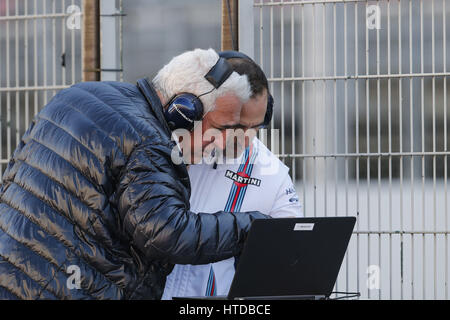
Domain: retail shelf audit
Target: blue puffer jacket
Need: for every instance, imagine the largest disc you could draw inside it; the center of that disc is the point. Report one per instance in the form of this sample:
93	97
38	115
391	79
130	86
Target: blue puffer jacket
91	193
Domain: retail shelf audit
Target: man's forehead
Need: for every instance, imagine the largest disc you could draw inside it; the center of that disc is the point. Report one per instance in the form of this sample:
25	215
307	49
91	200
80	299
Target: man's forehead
228	108
253	111
228	101
256	104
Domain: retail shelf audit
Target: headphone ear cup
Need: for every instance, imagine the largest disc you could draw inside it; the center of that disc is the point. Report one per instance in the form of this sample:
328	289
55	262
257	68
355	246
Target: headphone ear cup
182	110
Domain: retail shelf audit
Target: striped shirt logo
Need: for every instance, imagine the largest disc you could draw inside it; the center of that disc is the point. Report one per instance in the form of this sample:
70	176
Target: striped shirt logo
242	179
235	198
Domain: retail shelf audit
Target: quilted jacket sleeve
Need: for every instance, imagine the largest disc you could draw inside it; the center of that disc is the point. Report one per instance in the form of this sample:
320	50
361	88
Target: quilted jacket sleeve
155	214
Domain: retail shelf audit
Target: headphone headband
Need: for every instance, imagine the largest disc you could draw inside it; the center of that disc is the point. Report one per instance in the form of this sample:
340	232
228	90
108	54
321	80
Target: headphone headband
219	73
230	54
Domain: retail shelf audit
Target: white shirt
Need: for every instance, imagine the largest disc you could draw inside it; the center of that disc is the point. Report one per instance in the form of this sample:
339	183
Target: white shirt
257	181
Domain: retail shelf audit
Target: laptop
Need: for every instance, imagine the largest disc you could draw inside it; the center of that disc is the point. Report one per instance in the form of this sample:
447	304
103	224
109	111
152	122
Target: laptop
290	258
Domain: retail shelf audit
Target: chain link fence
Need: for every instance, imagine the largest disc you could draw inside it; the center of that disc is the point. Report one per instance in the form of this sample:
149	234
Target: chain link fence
361	107
361	98
40	53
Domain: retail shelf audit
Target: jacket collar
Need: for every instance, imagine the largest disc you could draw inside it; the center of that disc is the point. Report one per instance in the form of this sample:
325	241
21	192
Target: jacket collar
154	102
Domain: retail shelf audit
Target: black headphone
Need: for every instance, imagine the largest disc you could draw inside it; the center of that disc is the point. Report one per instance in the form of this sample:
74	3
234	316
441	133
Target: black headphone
183	109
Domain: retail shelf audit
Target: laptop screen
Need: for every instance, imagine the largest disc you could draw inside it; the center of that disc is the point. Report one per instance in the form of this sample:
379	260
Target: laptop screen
294	256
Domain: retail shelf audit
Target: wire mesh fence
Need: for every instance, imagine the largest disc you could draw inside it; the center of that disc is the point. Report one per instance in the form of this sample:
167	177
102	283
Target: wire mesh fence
361	108
361	92
40	53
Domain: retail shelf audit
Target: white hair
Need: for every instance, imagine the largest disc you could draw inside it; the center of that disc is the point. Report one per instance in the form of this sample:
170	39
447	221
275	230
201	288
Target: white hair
186	73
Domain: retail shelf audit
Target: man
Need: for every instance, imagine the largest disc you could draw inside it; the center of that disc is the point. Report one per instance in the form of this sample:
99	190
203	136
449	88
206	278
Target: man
255	180
92	205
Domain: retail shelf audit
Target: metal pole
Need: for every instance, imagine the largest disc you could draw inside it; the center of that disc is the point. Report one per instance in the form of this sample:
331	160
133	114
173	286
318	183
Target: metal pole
246	33
445	146
230	35
108	29
91	40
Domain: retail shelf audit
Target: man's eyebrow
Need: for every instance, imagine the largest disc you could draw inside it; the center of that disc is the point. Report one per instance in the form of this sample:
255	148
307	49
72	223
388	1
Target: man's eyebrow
231	126
237	126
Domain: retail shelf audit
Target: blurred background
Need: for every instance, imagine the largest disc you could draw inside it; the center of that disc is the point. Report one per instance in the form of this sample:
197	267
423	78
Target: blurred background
360	115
